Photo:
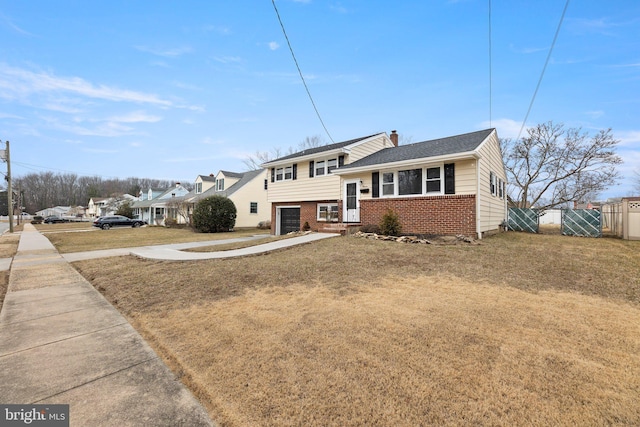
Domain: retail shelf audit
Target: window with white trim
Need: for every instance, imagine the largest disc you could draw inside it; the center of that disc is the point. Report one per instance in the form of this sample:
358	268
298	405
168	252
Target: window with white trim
331	165
320	168
198	187
410	182
327	212
288	172
388	185
279	174
220	184
419	181
492	184
434	180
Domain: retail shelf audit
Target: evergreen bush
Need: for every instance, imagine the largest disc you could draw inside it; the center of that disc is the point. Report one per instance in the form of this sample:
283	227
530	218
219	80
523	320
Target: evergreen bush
390	224
214	214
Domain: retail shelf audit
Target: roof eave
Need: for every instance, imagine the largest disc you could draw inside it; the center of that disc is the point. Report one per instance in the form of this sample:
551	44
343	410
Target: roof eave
328	153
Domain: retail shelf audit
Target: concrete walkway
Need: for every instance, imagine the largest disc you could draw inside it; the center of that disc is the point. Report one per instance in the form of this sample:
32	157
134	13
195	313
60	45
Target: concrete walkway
62	342
174	252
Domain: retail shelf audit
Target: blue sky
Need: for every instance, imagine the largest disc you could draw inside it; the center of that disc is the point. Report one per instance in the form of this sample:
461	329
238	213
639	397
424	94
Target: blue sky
171	90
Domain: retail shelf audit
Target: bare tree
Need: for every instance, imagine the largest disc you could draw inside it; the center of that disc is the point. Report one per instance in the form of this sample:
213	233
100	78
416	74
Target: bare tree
255	161
553	165
636	181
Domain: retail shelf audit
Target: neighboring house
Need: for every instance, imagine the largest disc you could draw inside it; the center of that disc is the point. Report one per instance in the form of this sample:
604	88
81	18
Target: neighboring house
57	211
155	205
103	206
247	190
204	183
446	186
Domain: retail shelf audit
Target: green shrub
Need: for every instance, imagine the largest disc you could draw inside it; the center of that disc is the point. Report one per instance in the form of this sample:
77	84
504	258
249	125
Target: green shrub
214	214
390	225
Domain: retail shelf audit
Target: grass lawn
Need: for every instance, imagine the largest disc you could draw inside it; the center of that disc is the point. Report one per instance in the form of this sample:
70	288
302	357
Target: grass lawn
8	248
78	237
520	330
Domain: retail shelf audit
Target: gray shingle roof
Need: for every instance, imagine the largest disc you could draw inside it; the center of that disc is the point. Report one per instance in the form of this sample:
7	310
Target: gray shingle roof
436	147
208	178
321	149
232	174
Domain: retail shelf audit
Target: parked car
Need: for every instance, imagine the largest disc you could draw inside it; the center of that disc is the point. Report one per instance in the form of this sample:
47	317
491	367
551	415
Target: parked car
106	222
54	219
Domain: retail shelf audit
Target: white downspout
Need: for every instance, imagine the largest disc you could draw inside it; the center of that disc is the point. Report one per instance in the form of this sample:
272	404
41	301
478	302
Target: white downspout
478	200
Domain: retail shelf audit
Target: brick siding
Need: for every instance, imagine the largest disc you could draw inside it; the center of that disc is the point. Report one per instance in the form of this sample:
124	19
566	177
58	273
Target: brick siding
441	215
308	213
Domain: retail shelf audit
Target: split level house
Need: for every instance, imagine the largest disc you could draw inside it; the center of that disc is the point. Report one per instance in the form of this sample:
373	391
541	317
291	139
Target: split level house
447	186
247	190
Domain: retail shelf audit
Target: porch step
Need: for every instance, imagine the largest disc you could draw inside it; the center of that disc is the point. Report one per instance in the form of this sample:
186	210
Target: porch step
339	227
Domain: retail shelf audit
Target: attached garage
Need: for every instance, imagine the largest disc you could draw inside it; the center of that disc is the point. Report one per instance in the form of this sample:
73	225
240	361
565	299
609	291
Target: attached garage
289	220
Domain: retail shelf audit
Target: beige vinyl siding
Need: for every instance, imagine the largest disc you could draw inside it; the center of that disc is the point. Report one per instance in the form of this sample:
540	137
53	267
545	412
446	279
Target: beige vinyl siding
205	184
491	208
326	187
465	178
369	147
252	191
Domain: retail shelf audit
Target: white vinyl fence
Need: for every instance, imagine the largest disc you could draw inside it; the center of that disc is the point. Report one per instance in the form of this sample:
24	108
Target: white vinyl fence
623	218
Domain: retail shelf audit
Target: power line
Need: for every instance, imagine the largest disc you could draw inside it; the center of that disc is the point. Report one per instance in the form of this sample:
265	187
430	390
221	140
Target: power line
300	72
490	71
543	69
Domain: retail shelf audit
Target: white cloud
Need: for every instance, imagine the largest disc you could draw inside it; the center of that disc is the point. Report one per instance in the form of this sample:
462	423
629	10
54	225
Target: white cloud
165	52
135	117
507	128
273	45
230	59
17	83
594	114
629	138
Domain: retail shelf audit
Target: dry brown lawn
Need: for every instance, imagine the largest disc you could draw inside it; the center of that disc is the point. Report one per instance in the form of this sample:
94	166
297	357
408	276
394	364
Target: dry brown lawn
8	248
520	330
78	237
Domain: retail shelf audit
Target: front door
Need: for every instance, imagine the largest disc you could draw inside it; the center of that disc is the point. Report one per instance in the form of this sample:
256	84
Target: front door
352	202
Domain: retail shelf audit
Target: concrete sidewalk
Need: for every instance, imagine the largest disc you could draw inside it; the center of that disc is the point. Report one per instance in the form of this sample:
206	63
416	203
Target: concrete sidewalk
174	252
62	342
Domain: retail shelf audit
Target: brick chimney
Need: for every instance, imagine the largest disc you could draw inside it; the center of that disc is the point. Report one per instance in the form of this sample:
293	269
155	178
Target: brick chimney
394	137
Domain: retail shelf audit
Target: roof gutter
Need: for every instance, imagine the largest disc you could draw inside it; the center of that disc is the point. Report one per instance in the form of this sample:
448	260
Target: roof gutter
394	165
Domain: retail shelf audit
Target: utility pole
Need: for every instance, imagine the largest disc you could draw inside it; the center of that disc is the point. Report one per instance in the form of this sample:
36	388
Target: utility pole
9	192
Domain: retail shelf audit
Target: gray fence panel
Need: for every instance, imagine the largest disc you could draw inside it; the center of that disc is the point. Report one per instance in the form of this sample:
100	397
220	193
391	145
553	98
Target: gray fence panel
582	222
520	219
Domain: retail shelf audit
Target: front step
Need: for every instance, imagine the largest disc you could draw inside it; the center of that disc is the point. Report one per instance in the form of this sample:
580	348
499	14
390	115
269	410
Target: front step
339	227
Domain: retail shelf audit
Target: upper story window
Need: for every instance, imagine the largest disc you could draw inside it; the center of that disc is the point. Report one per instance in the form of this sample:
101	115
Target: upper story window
284	173
325	166
198	187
